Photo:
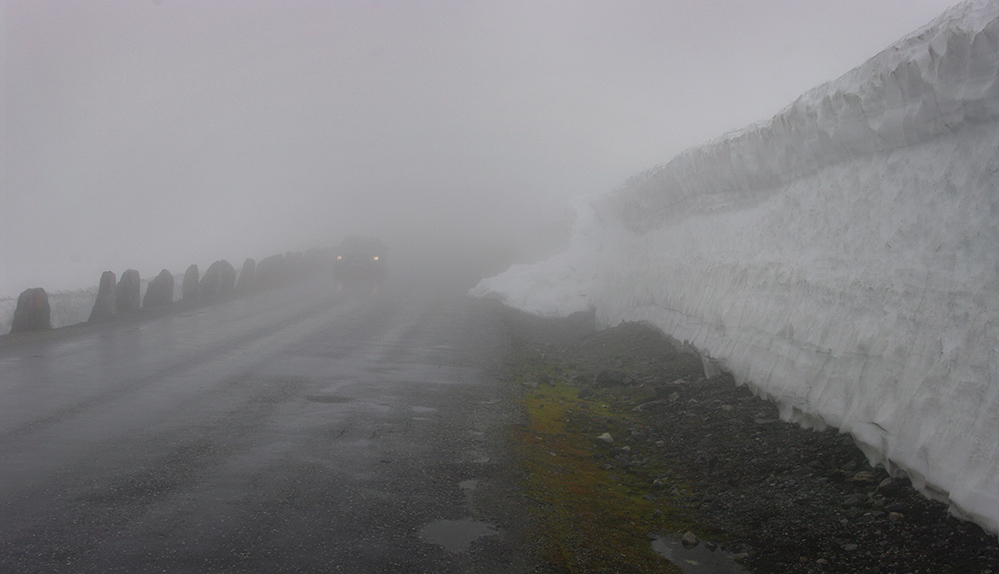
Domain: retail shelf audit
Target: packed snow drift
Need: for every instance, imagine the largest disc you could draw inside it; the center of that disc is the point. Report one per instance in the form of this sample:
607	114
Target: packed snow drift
841	258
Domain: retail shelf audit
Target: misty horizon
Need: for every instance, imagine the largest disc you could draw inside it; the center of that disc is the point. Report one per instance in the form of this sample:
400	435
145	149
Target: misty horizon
155	135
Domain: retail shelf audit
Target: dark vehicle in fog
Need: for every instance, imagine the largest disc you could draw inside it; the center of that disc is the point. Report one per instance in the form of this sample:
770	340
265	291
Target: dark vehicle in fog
359	258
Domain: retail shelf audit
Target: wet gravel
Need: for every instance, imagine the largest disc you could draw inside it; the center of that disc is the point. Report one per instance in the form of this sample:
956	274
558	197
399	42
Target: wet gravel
778	497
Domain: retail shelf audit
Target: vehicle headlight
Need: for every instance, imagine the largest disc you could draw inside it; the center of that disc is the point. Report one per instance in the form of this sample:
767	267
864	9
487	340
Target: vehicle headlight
375	258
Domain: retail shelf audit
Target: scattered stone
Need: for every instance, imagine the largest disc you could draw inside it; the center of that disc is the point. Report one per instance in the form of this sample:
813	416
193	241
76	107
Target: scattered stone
160	290
189	287
689	540
606	438
105	308
32	312
774	517
863	477
126	293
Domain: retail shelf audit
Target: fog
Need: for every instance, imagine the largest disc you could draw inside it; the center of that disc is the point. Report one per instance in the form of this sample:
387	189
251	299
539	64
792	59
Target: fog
155	134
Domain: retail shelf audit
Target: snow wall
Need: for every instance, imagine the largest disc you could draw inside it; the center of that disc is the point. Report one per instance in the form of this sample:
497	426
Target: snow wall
842	258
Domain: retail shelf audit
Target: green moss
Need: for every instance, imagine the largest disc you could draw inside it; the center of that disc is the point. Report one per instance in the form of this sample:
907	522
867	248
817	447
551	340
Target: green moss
589	518
591	515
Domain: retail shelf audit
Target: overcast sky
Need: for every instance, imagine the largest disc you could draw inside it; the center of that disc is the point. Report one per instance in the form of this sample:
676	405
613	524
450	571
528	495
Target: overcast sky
154	134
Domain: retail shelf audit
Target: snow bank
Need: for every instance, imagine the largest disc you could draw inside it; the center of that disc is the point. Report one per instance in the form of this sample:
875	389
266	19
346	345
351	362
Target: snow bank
842	258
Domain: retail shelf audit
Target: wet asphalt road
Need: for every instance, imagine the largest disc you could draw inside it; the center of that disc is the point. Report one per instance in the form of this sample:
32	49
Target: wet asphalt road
299	430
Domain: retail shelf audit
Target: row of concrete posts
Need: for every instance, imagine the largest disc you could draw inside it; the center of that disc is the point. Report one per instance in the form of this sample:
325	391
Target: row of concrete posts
119	297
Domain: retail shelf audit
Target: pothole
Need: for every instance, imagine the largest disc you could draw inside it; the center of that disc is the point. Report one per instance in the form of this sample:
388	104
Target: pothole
456	535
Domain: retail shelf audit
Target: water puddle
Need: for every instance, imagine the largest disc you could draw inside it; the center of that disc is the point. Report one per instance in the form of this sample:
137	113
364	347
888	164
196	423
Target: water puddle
456	535
696	560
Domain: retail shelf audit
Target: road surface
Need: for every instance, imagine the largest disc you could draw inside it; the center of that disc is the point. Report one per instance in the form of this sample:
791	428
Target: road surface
298	430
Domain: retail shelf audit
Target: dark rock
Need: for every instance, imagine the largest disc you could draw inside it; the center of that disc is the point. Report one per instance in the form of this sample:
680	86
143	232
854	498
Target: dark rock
854	500
160	290
219	280
32	312
585	393
126	294
105	308
896	507
189	288
610	379
247	276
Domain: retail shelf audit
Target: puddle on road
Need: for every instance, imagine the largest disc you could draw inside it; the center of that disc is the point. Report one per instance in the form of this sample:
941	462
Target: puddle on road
456	535
696	560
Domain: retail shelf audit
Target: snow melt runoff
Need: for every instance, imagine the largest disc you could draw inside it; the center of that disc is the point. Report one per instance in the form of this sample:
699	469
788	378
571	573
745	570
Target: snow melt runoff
841	258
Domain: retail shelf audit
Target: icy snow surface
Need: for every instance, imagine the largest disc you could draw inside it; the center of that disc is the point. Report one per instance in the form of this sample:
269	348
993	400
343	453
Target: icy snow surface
841	258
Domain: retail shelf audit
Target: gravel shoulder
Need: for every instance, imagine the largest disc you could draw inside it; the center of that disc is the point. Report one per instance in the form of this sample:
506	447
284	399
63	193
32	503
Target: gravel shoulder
628	455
